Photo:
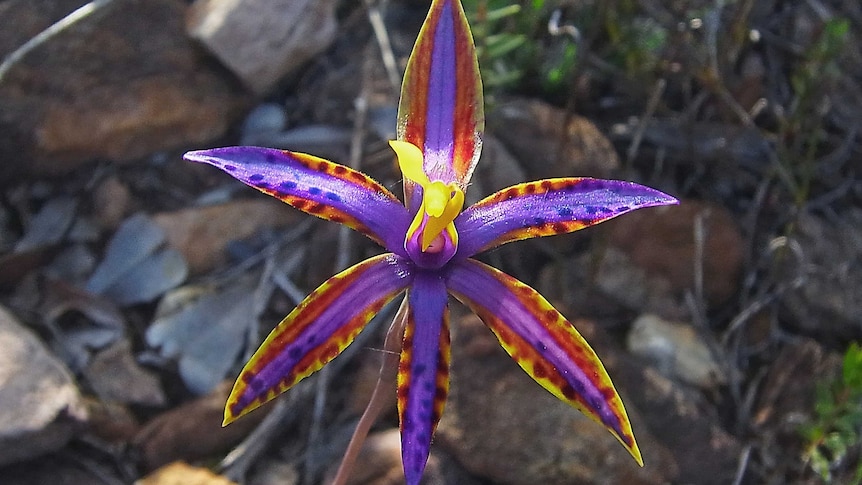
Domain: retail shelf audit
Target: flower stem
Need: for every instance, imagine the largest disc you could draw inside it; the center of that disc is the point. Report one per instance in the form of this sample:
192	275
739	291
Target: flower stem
388	372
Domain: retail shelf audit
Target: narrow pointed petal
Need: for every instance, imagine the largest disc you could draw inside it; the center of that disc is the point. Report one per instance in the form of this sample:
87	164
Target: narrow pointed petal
423	373
317	330
544	344
441	109
318	187
548	207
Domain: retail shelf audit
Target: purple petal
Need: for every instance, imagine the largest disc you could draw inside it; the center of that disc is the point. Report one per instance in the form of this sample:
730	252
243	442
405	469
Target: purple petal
441	109
548	207
318	187
423	373
317	330
543	343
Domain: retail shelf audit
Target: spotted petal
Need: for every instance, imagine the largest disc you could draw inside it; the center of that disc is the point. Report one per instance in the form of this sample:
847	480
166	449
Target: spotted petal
317	330
318	187
423	373
544	344
441	109
548	207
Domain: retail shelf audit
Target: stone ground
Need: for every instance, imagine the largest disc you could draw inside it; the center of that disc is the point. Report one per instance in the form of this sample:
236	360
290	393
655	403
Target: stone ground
133	285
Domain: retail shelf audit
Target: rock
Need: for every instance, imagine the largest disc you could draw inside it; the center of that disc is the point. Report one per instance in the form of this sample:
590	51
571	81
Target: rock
503	426
207	335
136	268
676	350
265	119
661	241
552	143
48	226
72	100
181	473
201	234
76	338
829	302
679	418
165	438
40	406
115	376
261	41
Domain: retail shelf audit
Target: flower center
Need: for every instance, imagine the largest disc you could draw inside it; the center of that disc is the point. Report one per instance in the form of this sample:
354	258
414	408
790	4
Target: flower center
432	228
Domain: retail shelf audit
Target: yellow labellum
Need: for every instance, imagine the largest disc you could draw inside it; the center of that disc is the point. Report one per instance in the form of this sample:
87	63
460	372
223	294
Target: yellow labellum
441	202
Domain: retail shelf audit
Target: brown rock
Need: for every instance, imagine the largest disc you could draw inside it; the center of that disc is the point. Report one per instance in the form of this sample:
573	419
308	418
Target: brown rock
202	233
120	83
661	241
166	437
116	376
111	422
261	41
552	143
503	426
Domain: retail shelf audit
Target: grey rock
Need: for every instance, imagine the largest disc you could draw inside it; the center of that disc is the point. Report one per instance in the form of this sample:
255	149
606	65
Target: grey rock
40	406
677	350
261	41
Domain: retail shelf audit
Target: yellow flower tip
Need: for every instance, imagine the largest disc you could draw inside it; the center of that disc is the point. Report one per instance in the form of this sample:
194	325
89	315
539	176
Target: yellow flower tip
410	160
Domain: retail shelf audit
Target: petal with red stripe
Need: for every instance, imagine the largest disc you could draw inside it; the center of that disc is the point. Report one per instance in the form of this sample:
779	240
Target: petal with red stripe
441	109
423	372
318	187
548	207
317	330
544	344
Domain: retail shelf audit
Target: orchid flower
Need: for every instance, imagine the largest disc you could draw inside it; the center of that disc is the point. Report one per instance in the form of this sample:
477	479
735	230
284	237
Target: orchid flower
430	242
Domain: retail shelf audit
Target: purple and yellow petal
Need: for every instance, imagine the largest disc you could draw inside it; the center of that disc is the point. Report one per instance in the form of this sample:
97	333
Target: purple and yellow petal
544	344
423	372
318	187
548	207
317	330
441	109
